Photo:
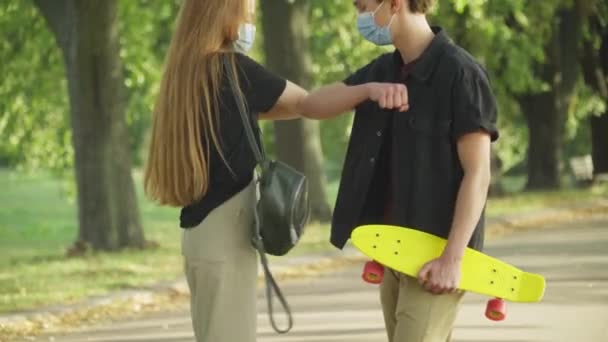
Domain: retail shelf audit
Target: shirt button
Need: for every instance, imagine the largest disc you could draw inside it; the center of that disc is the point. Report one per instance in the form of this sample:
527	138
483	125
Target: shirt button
372	160
379	133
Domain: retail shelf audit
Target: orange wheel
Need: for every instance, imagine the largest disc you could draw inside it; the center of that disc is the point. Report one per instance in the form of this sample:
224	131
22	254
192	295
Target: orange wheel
496	309
373	272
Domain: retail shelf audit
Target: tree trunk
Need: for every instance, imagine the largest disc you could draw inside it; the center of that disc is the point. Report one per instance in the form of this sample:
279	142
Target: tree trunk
599	143
546	112
297	142
595	70
496	186
87	32
545	141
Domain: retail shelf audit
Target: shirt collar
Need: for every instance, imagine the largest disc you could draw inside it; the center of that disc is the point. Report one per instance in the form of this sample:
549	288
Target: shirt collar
426	63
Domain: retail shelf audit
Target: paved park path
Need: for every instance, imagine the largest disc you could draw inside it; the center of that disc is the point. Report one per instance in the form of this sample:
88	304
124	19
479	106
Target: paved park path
339	307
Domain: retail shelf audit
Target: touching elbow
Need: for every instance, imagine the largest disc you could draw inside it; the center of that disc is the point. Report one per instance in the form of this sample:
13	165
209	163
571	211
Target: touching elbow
303	108
306	108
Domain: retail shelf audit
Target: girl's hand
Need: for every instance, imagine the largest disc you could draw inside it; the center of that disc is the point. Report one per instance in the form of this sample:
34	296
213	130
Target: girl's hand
389	95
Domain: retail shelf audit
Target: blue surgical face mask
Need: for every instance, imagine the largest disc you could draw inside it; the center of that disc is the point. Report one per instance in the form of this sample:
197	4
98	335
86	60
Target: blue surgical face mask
379	35
246	38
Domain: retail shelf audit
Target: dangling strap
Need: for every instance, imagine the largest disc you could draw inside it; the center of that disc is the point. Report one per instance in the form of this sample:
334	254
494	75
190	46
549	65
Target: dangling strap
271	284
258	243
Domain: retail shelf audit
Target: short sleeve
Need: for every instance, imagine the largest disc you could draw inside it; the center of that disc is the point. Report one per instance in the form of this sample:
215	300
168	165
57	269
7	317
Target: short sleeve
260	87
474	105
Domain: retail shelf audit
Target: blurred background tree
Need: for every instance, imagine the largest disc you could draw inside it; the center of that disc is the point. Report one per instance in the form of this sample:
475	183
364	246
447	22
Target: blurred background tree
87	33
547	61
297	142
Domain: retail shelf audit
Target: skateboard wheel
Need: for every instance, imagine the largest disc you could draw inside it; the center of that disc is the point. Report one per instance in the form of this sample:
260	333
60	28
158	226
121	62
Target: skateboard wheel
496	309
373	272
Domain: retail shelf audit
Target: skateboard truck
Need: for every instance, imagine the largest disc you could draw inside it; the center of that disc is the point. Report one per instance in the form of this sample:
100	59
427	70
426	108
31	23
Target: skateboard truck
373	272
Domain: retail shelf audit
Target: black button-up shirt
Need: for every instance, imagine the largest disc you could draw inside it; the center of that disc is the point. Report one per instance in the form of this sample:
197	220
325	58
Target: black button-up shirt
409	161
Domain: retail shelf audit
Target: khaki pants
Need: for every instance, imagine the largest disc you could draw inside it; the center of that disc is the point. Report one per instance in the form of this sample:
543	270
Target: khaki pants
221	269
412	314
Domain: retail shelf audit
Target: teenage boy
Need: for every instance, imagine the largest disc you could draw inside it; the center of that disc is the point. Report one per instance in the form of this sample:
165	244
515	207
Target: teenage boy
427	168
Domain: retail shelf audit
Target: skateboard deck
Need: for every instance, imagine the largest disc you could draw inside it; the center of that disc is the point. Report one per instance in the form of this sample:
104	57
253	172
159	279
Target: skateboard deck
407	251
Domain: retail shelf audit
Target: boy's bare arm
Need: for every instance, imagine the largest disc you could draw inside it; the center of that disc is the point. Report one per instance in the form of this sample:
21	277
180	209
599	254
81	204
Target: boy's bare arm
443	274
474	153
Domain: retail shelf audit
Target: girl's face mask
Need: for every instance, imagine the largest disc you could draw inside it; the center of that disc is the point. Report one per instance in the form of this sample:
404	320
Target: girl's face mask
246	38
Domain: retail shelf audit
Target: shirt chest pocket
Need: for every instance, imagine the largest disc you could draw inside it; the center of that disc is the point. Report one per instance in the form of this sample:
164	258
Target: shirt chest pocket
431	151
427	116
428	127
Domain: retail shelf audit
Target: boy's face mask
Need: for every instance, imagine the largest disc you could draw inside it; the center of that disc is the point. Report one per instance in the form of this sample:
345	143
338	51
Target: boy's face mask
246	38
379	35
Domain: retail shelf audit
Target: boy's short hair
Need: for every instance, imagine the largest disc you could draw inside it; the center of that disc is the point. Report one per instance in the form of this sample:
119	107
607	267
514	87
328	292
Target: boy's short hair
421	6
418	6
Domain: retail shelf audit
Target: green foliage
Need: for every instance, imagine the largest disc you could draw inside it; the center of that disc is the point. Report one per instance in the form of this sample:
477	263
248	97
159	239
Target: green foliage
34	102
508	37
337	50
33	106
146	27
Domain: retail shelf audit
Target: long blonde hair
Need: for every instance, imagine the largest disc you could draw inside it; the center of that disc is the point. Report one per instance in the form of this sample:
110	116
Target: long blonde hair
185	121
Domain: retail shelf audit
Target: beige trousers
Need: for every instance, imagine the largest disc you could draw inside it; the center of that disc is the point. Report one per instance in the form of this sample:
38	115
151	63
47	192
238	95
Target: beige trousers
221	270
412	314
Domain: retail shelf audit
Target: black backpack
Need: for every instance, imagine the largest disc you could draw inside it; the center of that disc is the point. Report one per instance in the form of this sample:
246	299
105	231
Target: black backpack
282	209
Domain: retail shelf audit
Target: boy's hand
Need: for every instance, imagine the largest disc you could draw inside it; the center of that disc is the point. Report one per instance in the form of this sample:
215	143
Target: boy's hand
389	95
440	276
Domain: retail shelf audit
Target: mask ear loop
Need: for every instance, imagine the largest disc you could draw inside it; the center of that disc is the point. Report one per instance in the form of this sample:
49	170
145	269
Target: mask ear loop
391	21
377	8
392	17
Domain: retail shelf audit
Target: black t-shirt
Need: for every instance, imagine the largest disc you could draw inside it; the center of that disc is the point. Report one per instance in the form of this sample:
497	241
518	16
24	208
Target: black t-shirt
449	96
261	90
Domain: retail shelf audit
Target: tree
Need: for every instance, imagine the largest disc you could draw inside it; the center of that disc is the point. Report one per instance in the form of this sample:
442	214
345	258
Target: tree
32	118
594	63
546	111
286	45
87	34
530	49
490	30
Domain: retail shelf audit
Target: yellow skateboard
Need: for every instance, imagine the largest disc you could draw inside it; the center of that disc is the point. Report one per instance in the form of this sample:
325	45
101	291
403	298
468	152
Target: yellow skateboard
407	250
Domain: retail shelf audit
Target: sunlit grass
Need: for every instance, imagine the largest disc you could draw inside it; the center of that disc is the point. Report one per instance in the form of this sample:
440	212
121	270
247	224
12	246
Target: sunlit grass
532	201
38	223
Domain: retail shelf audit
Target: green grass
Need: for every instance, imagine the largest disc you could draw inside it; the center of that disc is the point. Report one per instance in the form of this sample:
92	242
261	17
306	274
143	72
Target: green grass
38	222
532	201
37	225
